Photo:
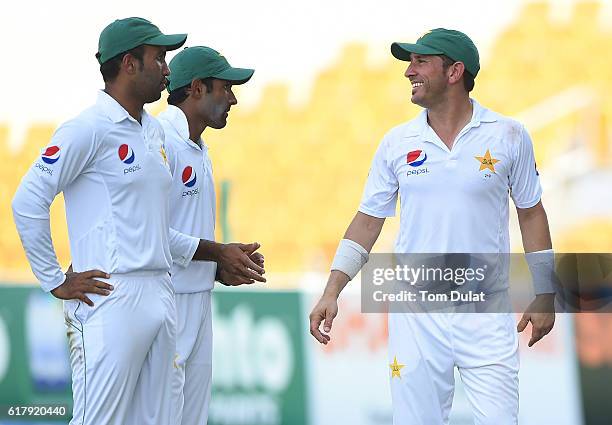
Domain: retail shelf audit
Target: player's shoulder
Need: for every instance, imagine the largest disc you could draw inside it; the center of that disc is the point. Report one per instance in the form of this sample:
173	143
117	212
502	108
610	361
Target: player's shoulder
86	124
499	125
155	122
173	139
407	130
95	121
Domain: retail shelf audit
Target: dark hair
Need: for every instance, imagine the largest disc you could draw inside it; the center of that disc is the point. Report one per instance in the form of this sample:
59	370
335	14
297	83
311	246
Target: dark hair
110	68
468	79
178	96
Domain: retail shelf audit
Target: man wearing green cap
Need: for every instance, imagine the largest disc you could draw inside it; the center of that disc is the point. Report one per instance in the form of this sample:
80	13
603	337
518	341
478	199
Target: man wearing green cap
453	167
110	163
201	96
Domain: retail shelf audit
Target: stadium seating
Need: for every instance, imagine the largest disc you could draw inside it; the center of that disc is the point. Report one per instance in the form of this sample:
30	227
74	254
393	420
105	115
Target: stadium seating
297	171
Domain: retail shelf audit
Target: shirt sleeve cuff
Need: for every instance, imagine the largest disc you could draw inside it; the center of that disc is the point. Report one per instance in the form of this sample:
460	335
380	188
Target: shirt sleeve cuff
377	214
185	260
50	286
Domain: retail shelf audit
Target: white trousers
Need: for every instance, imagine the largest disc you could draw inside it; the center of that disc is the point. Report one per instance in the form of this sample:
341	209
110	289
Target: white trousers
121	352
191	384
424	348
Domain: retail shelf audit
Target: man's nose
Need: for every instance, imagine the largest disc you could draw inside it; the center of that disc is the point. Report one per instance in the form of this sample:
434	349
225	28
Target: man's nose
409	71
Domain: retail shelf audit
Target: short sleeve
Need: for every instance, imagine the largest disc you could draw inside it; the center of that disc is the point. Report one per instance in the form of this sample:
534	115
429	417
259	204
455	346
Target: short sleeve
525	188
380	194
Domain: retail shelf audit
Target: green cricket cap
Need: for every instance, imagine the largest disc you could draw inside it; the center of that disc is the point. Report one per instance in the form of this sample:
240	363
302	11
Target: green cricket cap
125	34
203	62
440	41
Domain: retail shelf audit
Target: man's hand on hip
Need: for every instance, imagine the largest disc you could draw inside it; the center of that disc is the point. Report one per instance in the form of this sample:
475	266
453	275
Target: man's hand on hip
77	285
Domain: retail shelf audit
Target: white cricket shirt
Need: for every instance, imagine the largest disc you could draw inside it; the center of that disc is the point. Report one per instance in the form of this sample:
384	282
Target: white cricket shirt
453	200
192	198
116	181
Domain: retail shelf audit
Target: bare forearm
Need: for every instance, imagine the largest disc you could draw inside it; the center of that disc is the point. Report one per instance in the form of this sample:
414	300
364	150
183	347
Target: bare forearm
364	230
534	228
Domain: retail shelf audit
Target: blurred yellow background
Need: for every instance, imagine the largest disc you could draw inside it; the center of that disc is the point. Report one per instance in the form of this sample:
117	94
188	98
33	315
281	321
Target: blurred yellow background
297	171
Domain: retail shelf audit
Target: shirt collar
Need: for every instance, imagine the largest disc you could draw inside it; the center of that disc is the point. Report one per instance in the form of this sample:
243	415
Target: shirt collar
480	115
112	108
178	120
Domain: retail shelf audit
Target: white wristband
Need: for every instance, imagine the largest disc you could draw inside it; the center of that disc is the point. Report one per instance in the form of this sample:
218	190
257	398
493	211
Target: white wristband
350	258
542	268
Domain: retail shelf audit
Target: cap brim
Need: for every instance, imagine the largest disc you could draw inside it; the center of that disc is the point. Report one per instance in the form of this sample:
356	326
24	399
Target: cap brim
235	75
170	41
402	51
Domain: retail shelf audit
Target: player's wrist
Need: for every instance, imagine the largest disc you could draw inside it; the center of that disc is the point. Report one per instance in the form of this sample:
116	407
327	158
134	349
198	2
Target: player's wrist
56	290
218	250
542	267
349	259
331	293
209	250
336	283
219	274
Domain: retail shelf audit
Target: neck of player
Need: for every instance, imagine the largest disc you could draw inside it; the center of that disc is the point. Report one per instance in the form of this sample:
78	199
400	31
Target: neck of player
449	117
196	124
131	103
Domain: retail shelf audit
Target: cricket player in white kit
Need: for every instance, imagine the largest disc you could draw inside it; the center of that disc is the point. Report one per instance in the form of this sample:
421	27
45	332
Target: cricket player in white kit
452	167
111	164
201	96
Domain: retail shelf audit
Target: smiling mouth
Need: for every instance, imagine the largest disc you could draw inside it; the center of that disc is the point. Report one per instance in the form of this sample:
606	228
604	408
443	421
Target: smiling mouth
415	86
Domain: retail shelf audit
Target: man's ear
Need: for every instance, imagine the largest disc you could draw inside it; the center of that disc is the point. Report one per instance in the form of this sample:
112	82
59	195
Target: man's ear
196	89
456	72
130	64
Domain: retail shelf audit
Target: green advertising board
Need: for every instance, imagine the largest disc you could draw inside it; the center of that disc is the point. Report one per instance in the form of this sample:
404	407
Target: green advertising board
258	378
258	372
34	363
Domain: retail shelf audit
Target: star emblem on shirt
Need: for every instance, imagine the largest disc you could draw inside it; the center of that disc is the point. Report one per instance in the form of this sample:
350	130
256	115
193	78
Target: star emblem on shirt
396	368
162	151
487	162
